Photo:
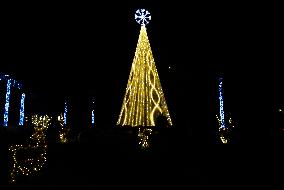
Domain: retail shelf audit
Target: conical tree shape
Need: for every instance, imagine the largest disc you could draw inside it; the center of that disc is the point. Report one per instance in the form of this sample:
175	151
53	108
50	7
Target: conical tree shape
144	99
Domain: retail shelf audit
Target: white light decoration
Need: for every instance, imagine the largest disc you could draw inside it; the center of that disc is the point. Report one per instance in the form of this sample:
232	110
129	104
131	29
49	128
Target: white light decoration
144	137
142	16
22	109
7	103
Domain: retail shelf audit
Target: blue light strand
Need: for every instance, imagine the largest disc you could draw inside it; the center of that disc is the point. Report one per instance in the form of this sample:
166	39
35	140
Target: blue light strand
93	117
22	109
93	114
14	83
7	103
65	113
221	104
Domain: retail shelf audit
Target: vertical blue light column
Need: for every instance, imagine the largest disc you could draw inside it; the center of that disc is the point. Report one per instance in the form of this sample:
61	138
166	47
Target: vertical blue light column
93	114
221	104
22	109
65	113
93	118
7	103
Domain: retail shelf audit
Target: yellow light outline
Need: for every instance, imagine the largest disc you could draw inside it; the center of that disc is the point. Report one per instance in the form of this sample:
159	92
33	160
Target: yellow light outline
139	107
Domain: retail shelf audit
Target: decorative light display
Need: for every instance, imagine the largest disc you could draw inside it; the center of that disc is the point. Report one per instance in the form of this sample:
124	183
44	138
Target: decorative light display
142	16
10	84
65	112
34	152
26	119
221	104
93	118
16	84
6	113
93	114
223	139
221	119
63	131
144	99
143	137
22	109
60	119
224	131
4	77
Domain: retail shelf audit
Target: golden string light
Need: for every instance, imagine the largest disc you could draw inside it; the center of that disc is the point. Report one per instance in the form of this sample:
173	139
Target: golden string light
143	137
38	144
144	98
224	133
223	139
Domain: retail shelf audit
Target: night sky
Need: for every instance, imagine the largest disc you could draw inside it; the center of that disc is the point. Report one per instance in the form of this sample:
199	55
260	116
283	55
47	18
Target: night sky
76	51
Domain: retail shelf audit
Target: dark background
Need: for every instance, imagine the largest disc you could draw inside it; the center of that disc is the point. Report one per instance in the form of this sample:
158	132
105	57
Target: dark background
79	51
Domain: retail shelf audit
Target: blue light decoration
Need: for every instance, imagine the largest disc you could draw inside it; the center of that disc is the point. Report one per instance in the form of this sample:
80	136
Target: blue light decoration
142	17
22	109
221	104
7	103
65	113
3	77
93	118
17	85
93	114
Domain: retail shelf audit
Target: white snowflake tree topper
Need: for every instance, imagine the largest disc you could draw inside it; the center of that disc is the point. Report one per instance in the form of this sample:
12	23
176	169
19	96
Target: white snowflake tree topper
142	16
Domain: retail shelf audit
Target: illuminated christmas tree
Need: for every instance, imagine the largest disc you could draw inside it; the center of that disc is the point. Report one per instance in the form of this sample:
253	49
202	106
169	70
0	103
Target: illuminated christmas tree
144	99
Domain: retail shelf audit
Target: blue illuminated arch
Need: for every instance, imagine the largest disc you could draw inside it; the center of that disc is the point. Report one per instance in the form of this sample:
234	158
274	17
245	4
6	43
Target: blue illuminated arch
11	83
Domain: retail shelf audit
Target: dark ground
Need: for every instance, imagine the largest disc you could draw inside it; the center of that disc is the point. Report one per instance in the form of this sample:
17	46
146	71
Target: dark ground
72	52
113	160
